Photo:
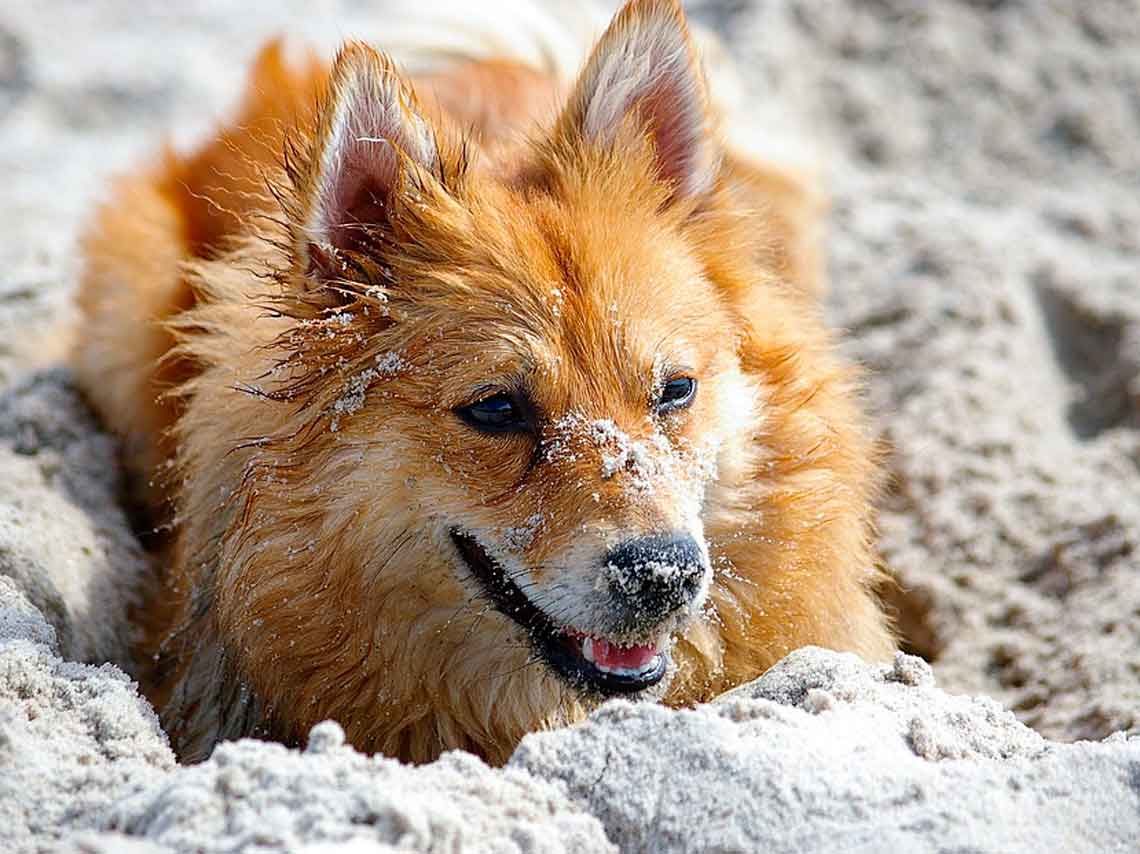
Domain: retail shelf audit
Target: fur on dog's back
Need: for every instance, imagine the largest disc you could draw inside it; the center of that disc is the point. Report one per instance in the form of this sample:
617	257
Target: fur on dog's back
303	579
137	252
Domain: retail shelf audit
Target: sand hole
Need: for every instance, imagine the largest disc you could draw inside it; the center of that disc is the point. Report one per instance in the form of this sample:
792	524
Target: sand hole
1089	351
912	609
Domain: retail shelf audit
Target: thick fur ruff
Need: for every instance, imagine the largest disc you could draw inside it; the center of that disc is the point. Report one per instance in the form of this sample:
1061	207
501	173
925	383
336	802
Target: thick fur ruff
283	325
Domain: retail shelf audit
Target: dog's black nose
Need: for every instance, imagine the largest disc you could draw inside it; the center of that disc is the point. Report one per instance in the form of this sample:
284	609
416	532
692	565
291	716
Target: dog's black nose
653	576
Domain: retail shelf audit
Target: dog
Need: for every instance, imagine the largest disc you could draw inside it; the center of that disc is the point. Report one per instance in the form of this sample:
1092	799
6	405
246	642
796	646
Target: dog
465	401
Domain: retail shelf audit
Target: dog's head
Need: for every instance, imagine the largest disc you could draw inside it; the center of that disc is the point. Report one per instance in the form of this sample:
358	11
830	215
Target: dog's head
529	373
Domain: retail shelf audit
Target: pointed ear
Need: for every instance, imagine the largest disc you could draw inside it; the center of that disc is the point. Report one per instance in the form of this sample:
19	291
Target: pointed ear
371	131
645	69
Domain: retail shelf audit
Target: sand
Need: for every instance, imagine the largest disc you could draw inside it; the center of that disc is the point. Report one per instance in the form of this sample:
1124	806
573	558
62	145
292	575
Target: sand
822	748
984	250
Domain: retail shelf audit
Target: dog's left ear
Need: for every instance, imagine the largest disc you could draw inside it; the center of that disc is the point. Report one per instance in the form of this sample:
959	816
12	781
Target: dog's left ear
644	69
371	137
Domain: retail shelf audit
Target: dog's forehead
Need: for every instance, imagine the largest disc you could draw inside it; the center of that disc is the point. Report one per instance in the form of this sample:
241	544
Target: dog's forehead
608	274
596	303
607	318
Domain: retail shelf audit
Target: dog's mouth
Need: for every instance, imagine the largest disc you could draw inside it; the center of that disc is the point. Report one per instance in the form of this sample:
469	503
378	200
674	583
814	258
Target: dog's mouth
587	662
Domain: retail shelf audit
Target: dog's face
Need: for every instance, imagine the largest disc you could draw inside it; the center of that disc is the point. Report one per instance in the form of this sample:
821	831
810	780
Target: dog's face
507	431
529	378
580	394
555	395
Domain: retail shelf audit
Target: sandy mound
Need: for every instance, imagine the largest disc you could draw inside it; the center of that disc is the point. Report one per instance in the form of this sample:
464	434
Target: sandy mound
64	540
985	251
73	738
823	747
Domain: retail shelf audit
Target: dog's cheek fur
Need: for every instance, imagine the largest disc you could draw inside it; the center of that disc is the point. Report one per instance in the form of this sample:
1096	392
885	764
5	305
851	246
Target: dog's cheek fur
323	586
788	520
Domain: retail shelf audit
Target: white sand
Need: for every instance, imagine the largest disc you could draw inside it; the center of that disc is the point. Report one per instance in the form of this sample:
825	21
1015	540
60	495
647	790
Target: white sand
985	254
822	748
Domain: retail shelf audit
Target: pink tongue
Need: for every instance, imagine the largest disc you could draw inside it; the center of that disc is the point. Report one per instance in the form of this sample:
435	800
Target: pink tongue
627	657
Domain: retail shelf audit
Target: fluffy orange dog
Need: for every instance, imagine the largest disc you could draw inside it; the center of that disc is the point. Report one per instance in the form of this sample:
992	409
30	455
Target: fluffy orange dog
470	408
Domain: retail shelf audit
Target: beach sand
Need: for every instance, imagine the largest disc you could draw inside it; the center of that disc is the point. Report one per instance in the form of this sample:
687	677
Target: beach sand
984	251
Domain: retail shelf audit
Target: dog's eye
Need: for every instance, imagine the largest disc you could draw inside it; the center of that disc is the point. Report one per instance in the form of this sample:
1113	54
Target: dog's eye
677	394
499	413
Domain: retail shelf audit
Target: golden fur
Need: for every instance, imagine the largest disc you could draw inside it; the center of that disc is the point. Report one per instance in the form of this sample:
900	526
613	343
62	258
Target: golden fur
289	407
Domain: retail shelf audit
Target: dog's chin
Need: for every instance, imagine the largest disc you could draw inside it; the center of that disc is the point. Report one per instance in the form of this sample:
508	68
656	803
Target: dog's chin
589	663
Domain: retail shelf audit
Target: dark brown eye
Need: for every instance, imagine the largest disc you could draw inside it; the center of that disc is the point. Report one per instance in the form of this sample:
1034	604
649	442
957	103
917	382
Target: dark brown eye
500	413
676	394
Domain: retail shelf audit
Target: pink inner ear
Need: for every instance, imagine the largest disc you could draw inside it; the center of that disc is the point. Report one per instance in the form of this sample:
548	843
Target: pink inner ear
356	191
677	126
374	126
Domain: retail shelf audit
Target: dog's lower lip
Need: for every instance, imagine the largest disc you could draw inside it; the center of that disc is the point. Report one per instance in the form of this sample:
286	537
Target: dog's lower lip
601	667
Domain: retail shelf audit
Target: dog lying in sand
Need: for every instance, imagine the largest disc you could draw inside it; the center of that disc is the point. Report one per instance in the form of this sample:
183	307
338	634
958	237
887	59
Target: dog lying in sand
473	399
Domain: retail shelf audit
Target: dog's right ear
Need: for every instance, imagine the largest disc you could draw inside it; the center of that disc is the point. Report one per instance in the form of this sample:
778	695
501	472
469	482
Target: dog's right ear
644	69
371	133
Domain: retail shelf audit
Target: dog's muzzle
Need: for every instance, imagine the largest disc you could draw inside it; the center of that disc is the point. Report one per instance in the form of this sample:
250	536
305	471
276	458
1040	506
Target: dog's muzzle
644	585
